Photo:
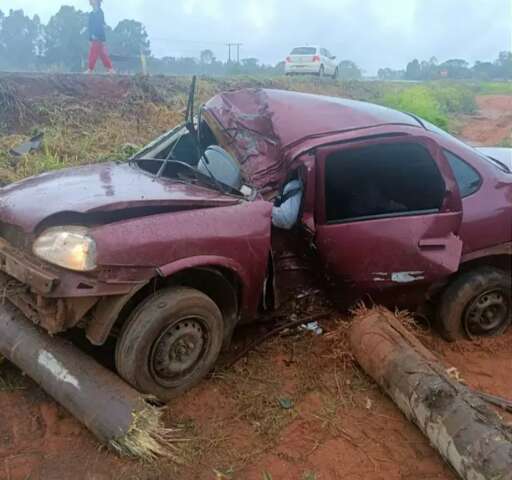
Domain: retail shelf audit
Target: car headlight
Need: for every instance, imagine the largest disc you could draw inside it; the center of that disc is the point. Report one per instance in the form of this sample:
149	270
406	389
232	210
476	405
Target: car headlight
68	247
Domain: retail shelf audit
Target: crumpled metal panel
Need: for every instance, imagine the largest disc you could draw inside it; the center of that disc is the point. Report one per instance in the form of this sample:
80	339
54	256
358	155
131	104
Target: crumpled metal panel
248	127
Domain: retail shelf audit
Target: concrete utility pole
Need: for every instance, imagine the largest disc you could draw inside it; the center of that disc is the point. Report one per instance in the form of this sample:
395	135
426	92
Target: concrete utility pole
237	45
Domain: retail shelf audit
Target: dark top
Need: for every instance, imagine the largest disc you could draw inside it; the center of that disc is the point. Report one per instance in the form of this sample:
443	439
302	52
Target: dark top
97	26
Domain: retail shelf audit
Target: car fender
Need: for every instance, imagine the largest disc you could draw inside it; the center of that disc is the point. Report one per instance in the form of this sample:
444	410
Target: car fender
208	261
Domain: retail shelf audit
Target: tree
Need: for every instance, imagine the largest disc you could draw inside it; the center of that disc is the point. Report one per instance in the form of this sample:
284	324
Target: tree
413	71
456	68
485	70
249	66
130	39
67	42
390	74
504	64
17	38
207	57
348	70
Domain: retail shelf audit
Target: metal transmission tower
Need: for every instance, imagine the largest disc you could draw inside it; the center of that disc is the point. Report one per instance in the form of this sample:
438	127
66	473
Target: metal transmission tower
237	45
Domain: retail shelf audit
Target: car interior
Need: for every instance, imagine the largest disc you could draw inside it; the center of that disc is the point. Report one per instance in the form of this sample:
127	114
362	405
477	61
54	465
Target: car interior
381	180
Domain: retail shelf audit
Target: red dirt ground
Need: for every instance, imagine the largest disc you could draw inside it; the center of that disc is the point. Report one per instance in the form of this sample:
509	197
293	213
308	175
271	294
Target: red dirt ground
493	123
338	426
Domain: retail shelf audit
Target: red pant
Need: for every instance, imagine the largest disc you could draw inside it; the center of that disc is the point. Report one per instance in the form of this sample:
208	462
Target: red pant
98	49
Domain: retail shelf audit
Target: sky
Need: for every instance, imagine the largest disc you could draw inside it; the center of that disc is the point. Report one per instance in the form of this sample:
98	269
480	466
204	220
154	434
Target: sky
373	33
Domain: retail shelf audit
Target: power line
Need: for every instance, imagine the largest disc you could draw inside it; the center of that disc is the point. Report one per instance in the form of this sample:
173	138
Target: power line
237	45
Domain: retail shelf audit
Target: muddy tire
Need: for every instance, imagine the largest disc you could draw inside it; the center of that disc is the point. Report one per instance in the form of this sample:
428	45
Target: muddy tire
476	304
170	342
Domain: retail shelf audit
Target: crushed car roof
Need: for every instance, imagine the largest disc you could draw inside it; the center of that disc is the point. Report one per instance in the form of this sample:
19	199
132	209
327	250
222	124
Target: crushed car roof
262	124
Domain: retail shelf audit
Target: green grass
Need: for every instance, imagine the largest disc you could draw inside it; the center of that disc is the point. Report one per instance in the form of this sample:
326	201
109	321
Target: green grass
434	102
419	100
494	88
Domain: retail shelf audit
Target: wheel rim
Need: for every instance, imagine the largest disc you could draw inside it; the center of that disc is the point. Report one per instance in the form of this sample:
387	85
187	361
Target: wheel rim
178	350
487	314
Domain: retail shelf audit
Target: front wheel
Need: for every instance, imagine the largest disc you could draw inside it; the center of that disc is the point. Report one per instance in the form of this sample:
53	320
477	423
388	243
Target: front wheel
170	342
478	303
336	73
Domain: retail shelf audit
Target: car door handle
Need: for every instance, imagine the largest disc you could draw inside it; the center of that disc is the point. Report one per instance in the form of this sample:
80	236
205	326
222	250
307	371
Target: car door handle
426	243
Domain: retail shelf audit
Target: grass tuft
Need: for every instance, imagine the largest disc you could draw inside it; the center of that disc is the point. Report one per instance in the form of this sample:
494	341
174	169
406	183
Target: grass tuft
147	439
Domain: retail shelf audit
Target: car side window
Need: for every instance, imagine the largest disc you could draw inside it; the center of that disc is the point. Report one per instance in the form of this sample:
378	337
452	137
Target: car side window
467	178
382	181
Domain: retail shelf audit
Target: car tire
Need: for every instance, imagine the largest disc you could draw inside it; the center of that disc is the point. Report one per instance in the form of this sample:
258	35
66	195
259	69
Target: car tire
335	75
321	72
170	342
477	303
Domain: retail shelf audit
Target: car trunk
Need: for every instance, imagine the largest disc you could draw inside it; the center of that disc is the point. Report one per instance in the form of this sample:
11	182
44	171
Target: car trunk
303	56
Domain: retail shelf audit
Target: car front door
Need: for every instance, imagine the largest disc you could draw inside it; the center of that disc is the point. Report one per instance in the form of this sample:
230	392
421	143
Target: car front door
388	212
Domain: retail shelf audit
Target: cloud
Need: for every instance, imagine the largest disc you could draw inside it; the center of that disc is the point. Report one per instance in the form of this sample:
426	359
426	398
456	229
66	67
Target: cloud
374	33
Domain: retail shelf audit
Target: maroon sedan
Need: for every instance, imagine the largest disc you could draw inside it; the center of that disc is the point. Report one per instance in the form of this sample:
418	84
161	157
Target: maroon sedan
170	251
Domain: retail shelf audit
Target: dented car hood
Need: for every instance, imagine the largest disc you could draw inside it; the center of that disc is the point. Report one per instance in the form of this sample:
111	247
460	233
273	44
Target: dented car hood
106	187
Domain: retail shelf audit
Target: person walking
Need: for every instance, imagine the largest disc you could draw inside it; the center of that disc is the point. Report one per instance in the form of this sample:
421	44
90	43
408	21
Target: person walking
98	38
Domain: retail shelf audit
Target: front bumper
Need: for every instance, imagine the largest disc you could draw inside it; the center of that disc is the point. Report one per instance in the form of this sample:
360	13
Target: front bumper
25	271
53	314
50	297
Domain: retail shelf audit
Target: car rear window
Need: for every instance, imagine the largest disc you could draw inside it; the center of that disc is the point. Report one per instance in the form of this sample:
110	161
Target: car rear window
303	51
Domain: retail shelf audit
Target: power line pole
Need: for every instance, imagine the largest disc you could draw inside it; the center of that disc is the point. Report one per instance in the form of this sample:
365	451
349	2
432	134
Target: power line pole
237	45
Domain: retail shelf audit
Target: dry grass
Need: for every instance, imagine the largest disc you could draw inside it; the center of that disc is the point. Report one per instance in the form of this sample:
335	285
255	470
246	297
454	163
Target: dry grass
90	120
147	439
291	367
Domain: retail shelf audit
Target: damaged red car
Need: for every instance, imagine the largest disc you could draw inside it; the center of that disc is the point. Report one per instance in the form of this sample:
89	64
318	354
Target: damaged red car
172	250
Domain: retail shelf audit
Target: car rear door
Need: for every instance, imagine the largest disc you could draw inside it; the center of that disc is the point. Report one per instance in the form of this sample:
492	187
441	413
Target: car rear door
329	62
408	238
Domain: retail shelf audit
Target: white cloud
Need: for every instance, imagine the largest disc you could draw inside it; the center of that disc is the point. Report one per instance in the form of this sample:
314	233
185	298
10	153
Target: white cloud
260	14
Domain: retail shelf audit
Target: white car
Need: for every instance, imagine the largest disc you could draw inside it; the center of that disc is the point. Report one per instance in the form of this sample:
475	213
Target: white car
312	60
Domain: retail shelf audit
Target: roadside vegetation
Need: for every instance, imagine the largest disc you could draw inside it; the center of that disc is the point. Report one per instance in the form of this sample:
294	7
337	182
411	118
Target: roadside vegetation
112	118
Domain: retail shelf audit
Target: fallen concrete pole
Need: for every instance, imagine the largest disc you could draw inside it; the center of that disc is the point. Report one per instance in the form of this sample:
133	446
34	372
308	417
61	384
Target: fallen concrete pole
466	432
113	411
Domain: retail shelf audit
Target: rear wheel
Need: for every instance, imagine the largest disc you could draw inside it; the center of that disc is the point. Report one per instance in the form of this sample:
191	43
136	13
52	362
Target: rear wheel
476	304
321	72
170	342
335	75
